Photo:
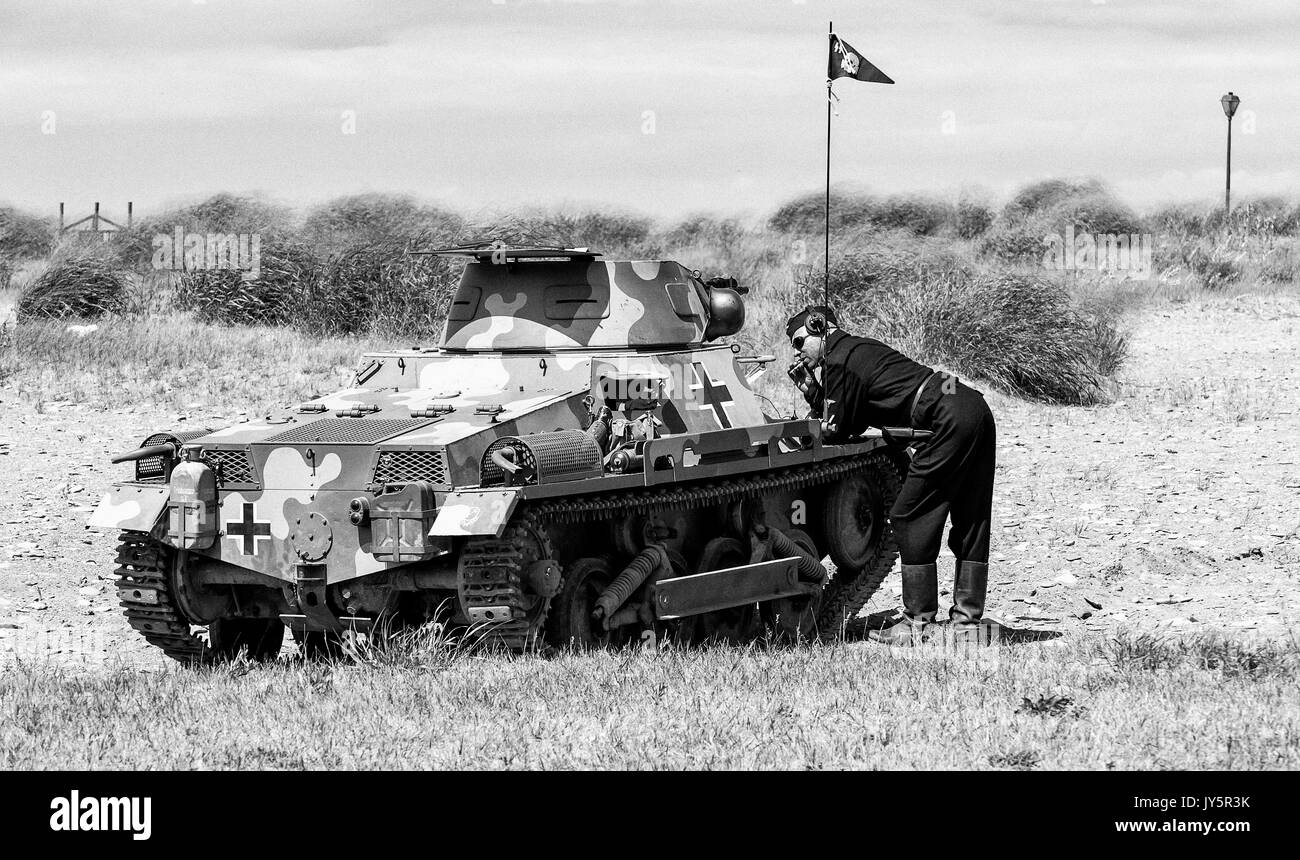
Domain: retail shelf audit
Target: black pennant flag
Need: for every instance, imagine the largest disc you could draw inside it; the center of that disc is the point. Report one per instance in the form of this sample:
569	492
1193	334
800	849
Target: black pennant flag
846	62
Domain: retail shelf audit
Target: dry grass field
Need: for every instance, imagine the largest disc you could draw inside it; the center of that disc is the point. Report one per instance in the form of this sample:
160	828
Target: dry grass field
1145	528
1084	702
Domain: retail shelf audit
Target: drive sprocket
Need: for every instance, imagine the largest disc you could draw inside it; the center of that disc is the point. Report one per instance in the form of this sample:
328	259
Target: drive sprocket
492	583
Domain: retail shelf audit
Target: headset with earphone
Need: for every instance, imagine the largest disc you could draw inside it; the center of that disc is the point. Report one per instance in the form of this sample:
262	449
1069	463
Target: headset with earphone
816	323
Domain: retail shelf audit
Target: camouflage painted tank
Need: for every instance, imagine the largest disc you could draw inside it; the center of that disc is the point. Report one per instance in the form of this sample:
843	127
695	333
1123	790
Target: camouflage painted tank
579	461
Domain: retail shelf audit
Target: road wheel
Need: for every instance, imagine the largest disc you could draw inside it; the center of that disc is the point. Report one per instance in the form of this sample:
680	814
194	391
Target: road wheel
794	618
569	622
733	626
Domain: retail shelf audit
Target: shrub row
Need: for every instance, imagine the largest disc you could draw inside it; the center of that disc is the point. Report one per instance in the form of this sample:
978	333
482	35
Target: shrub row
381	289
1021	331
913	213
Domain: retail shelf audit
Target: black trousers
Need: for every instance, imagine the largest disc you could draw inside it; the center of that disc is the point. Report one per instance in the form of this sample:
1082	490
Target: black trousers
951	474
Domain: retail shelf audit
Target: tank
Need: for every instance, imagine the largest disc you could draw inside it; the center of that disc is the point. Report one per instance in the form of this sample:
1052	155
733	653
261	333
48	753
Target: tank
581	461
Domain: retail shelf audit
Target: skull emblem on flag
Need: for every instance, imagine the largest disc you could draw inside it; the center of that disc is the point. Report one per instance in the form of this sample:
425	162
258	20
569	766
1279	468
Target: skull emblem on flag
849	62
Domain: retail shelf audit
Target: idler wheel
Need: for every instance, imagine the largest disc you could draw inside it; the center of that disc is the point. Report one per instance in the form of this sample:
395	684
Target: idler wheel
856	516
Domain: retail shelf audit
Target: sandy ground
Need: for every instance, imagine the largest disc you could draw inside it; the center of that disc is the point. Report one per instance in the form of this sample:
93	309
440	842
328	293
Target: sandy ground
1173	509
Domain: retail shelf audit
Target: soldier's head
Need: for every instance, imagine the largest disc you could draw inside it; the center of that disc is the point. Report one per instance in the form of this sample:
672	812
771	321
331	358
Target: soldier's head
807	332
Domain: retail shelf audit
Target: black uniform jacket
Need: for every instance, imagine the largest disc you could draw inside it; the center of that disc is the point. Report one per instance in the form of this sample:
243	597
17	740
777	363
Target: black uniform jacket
867	384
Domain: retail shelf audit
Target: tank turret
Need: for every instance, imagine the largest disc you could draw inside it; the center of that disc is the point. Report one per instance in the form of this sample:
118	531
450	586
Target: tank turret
524	299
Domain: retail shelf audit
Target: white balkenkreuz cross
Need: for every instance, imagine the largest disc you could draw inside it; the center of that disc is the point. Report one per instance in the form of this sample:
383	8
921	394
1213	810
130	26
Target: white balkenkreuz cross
716	395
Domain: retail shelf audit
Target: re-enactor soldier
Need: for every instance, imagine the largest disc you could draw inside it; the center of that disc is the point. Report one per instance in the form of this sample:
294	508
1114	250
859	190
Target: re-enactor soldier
865	383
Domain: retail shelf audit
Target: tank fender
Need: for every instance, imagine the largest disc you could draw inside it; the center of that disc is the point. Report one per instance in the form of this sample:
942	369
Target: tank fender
131	507
475	512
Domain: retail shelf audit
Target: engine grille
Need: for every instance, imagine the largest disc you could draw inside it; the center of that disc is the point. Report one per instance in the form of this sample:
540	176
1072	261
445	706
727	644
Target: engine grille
231	465
346	431
402	467
151	470
561	455
492	475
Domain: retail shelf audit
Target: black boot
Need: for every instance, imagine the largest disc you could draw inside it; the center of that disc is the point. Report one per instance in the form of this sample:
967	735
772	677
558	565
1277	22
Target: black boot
920	605
968	592
968	626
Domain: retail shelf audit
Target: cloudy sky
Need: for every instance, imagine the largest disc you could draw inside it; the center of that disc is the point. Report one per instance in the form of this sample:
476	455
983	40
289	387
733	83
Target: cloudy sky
663	107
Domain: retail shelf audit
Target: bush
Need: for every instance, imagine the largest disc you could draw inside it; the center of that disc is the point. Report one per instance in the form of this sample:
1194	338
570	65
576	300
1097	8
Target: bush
1039	197
84	288
1214	267
918	215
1265	216
807	214
1281	264
275	297
614	234
1097	212
704	230
378	220
972	218
379	289
1013	244
231	213
1182	220
913	213
24	236
221	213
1021	332
1050	208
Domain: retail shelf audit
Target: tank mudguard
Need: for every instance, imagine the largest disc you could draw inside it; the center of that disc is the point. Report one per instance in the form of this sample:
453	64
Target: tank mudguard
131	507
475	512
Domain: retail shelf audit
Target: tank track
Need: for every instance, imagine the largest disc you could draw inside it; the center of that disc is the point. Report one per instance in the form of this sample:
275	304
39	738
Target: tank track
841	600
492	580
497	564
618	503
144	563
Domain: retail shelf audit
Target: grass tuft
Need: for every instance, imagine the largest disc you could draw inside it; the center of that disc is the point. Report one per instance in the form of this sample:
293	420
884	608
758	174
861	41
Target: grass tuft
226	297
23	236
1212	651
78	288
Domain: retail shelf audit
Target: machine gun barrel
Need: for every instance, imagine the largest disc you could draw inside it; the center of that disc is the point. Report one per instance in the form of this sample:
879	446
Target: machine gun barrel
162	449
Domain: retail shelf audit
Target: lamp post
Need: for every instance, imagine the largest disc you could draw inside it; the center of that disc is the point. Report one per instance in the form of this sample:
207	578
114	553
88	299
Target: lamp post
1229	103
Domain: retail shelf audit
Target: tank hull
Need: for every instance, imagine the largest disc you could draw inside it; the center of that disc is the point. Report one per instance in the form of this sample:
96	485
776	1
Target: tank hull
509	477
